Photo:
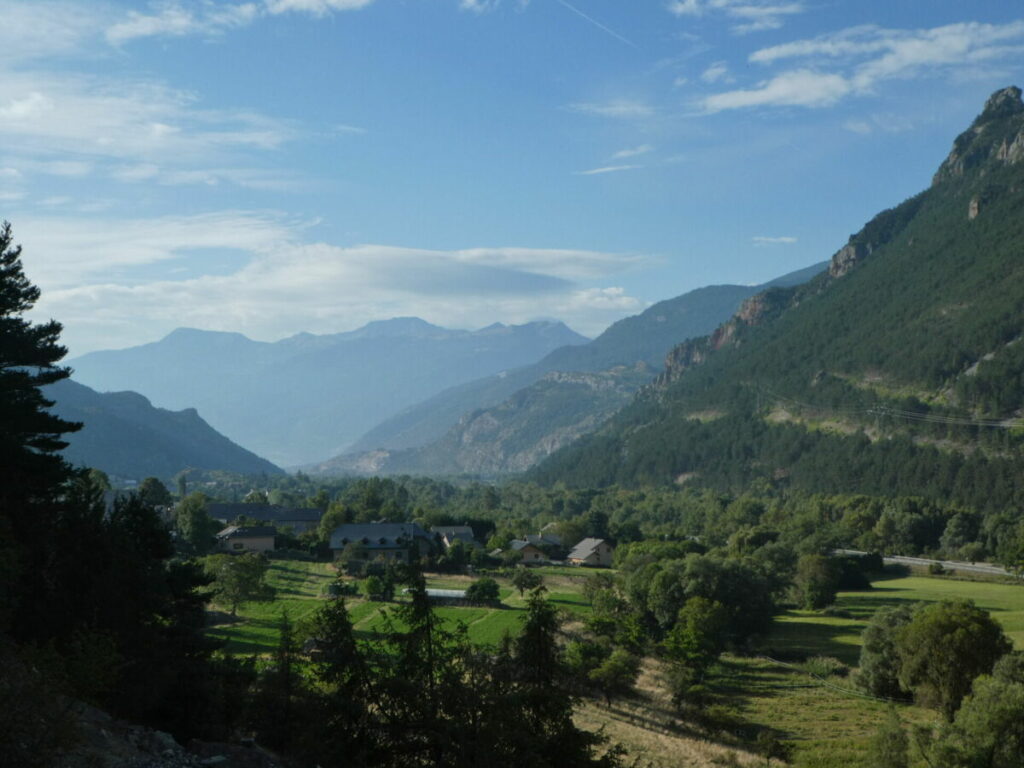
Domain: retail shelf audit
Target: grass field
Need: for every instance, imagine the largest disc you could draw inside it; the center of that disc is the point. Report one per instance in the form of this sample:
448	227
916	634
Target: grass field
828	727
808	633
299	589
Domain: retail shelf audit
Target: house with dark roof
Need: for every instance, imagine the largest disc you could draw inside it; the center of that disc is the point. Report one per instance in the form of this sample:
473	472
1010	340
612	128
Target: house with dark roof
401	542
544	539
529	552
596	552
299	519
249	538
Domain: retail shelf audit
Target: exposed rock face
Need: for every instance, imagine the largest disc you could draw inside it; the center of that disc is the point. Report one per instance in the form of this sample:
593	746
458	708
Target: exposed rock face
754	311
847	257
973	208
996	135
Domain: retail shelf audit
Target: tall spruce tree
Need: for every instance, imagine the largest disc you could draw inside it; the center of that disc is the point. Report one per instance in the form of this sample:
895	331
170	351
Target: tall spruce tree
32	473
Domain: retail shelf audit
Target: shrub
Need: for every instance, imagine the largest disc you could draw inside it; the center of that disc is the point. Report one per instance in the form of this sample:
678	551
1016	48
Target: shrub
825	666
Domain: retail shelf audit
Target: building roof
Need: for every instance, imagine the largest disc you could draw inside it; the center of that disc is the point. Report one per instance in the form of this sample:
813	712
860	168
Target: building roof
377	535
586	548
544	539
519	544
271	513
247	531
453	531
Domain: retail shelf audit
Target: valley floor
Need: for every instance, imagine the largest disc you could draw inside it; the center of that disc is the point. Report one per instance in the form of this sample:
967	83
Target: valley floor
826	718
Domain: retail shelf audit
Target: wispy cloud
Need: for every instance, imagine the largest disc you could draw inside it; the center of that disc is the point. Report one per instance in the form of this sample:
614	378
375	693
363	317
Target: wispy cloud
856	61
747	15
129	130
766	240
621	109
622	154
608	169
176	20
114	281
798	88
479	6
717	73
42	29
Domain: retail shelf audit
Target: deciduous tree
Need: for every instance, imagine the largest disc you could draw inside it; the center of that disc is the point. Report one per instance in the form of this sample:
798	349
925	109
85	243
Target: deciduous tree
943	648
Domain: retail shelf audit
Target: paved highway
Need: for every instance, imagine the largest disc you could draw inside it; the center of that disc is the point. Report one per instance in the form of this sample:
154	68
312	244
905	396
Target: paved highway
949	565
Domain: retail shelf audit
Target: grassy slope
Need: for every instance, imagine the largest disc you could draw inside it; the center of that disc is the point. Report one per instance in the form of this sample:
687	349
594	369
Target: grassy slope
829	727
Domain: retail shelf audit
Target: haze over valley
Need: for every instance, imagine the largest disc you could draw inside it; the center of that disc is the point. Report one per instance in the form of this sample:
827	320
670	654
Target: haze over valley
561	383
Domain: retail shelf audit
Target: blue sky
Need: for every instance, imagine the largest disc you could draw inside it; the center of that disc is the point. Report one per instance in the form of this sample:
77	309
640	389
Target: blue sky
275	166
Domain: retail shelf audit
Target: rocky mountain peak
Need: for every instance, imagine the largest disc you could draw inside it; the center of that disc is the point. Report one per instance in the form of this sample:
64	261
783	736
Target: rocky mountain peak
997	134
1002	103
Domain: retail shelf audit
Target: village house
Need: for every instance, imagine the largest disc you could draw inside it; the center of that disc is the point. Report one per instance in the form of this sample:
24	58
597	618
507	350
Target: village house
530	553
253	538
401	542
596	552
299	519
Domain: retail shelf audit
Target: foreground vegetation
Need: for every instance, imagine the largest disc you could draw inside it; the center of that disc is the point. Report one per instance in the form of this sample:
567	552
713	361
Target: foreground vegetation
818	707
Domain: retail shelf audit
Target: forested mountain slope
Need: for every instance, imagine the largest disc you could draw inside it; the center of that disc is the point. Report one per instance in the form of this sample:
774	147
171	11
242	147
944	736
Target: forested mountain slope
899	371
124	435
306	397
642	339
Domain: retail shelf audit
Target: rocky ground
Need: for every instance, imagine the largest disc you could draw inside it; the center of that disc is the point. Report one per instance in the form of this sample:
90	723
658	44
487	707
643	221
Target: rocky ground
105	742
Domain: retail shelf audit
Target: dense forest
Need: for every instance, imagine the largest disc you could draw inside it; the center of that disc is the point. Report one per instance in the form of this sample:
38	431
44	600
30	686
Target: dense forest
897	372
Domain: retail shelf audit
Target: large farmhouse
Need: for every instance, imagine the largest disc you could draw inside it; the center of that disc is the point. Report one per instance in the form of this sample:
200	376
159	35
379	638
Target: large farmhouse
401	542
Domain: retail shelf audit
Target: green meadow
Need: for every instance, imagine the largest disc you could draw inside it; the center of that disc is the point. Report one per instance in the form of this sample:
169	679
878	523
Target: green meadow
299	592
829	722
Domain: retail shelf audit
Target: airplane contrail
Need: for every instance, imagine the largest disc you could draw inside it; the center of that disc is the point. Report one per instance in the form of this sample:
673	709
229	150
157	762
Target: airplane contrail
598	24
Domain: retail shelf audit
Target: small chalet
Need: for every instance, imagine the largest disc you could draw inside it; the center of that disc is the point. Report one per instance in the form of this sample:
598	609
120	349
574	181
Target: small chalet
253	538
389	541
451	533
597	552
530	552
299	519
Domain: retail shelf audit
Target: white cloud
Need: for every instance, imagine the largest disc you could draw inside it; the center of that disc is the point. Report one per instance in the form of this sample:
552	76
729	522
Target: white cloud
114	282
478	6
624	109
86	119
607	169
717	73
622	154
798	88
856	60
748	15
42	29
176	20
317	7
766	240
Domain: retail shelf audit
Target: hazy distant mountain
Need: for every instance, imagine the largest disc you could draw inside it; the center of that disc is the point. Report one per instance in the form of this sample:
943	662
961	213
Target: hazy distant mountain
899	372
307	396
549	409
641	339
124	435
